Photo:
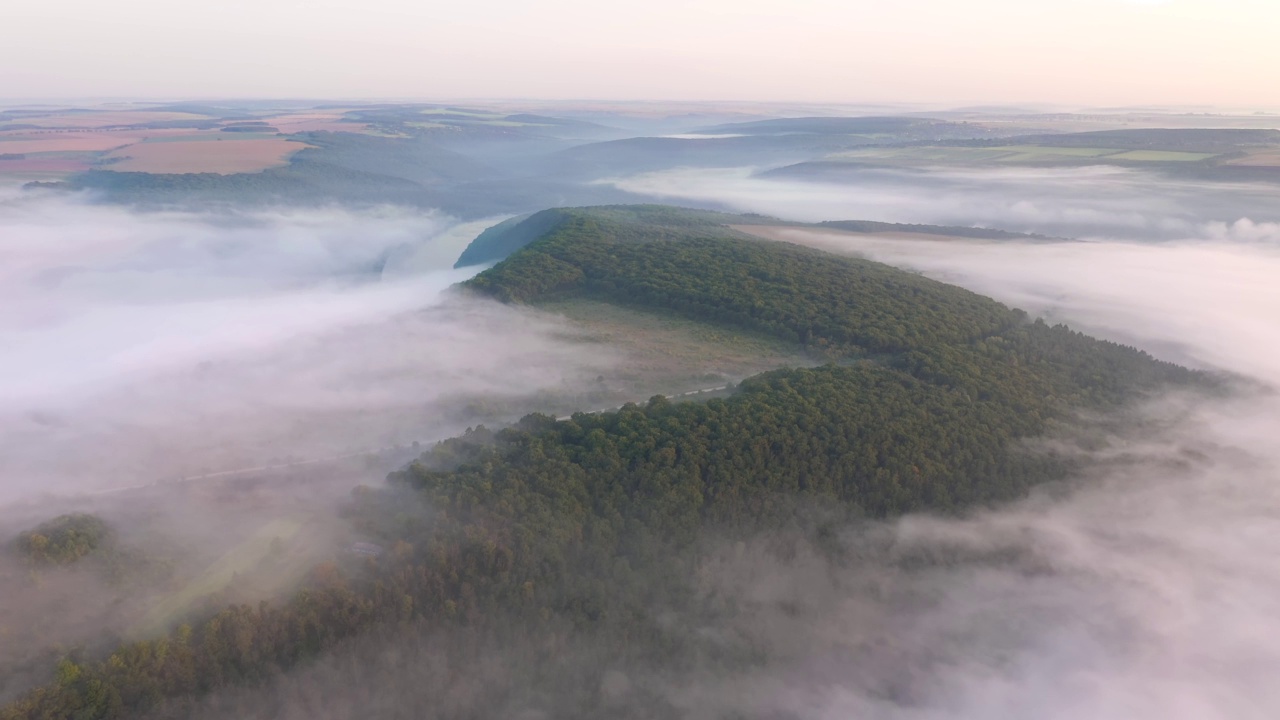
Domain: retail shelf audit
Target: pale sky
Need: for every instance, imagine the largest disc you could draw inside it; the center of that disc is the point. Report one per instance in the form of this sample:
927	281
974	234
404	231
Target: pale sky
1074	52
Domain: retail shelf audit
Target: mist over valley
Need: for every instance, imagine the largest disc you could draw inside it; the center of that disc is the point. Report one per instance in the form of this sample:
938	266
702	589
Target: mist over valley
592	408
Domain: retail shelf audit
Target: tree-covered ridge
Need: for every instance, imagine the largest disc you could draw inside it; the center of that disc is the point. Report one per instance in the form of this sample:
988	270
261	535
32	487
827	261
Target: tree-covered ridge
932	430
501	240
588	525
508	236
876	441
704	271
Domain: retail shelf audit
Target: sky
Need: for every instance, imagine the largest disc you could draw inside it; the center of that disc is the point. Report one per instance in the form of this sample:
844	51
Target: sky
953	52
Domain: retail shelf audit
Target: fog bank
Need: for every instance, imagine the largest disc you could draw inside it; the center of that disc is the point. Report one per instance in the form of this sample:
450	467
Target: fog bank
1206	303
1151	591
1148	588
150	346
1096	201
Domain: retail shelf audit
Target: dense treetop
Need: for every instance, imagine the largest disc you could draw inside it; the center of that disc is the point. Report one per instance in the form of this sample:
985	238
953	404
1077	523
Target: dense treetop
63	540
593	524
508	236
692	265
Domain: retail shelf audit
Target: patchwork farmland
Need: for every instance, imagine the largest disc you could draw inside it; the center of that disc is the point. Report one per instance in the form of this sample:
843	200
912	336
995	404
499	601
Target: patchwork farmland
204	155
47	143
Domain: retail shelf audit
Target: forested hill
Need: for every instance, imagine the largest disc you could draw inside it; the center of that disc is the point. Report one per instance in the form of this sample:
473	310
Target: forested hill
508	236
693	265
592	528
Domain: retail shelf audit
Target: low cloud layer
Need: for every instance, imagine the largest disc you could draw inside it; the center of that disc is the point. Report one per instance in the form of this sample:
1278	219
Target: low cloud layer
1072	202
1148	589
1151	591
1208	303
141	347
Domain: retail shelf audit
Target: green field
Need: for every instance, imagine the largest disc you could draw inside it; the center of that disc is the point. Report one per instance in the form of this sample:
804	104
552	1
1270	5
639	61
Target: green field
1040	153
668	354
1161	156
924	155
472	118
1011	154
479	115
210	137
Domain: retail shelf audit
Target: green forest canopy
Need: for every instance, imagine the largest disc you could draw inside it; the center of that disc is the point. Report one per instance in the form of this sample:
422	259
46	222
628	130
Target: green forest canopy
64	539
590	523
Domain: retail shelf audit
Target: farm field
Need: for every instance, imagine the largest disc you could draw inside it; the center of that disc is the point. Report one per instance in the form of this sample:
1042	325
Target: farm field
313	122
46	143
1268	158
1037	153
211	155
56	118
927	155
1086	122
1160	156
45	166
51	141
667	354
477	114
1011	154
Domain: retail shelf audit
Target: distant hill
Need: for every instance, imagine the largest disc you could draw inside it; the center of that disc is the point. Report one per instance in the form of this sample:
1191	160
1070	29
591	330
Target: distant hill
213	111
1200	140
760	142
1231	155
354	169
510	235
584	126
615	158
413	159
901	127
300	182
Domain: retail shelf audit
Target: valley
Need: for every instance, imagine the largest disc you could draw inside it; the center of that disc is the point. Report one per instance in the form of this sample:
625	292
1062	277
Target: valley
885	360
667	361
